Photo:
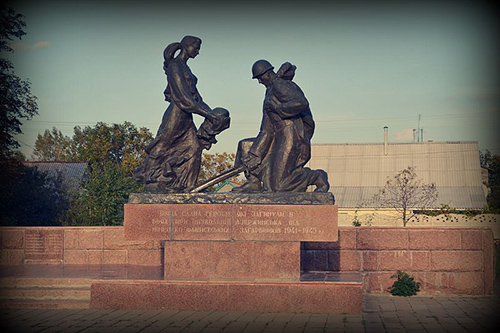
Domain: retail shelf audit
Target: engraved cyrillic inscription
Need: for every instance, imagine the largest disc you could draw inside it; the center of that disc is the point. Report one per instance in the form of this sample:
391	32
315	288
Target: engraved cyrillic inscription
44	244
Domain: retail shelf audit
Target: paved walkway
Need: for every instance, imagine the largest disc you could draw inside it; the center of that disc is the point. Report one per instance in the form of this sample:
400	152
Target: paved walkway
380	314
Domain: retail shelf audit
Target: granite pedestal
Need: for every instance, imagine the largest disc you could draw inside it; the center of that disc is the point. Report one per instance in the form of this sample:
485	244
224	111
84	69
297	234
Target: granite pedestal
232	252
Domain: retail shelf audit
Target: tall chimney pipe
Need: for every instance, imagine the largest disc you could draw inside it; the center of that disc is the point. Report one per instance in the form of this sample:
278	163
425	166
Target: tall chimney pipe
386	139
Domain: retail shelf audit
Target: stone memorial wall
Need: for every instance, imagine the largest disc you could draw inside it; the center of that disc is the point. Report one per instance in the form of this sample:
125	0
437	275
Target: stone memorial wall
446	260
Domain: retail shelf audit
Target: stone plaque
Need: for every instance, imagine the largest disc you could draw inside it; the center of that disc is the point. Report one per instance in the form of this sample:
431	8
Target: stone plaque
285	222
231	222
177	222
43	244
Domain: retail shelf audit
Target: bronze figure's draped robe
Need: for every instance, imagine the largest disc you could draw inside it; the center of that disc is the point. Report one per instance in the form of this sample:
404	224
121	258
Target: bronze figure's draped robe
174	156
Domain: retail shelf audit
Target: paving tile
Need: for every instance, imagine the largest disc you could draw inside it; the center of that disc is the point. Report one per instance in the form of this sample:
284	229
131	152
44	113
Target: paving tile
195	327
255	327
216	316
274	327
301	317
235	326
283	317
265	317
231	316
374	328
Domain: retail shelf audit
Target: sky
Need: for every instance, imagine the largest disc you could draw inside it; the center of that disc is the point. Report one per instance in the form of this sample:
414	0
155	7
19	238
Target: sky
361	66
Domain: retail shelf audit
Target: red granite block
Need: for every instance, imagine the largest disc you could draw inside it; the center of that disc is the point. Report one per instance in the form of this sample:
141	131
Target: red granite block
144	257
259	297
233	260
202	221
394	260
247	297
344	260
319	245
157	244
283	260
314	260
472	239
434	239
125	295
420	260
450	282
70	239
346	241
187	221
327	298
430	282
94	257
277	260
43	244
90	239
457	261
4	257
16	257
285	222
147	221
382	239
370	260
231	222
114	257
12	239
75	257
377	282
114	239
187	260
489	260
471	283
194	297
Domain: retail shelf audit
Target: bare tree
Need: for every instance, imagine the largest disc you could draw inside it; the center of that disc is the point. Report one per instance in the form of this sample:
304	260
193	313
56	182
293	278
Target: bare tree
406	192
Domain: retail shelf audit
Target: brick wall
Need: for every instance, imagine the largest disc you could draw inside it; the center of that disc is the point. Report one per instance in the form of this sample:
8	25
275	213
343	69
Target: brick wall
75	246
448	261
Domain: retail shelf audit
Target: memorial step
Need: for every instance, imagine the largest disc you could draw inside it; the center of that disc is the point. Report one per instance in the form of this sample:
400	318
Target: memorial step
44	304
44	293
50	282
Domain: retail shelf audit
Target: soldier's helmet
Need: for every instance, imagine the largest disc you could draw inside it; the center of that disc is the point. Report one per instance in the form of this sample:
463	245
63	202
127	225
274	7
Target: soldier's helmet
260	67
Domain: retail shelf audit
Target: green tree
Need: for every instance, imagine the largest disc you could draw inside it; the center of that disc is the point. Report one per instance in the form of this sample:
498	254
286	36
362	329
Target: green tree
102	195
113	151
16	104
37	199
406	192
492	163
52	146
16	100
214	164
122	144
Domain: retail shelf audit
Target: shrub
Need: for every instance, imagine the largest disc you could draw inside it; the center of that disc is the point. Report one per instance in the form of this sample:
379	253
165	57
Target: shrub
404	285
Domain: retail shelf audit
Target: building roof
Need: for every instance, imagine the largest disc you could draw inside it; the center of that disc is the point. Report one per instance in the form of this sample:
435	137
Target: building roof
72	173
357	171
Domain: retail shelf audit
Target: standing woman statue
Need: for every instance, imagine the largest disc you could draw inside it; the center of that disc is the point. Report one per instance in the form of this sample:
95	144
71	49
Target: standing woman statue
174	157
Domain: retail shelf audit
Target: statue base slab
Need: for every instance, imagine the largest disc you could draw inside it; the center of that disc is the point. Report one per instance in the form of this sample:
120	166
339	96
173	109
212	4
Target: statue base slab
292	297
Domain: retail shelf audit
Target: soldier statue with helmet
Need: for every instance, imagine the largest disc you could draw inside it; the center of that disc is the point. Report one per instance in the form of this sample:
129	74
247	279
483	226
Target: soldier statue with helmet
275	160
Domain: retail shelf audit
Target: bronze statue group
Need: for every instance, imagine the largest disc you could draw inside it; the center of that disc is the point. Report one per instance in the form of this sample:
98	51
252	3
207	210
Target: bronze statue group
274	161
